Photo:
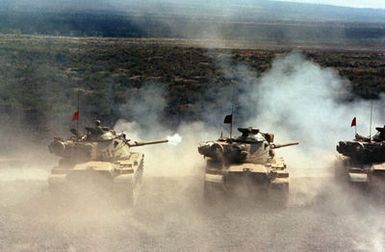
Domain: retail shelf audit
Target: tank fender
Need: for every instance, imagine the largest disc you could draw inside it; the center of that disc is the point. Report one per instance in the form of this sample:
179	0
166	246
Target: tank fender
279	181
379	167
358	177
279	174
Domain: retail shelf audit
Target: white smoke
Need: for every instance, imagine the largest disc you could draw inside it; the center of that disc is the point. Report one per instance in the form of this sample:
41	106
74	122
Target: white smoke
180	156
174	139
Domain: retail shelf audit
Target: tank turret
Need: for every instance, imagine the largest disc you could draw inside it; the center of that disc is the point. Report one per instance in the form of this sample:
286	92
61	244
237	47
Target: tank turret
362	160
365	149
251	144
92	149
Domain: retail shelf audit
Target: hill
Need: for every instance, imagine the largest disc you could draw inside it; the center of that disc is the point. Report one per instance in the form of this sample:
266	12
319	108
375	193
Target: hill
282	22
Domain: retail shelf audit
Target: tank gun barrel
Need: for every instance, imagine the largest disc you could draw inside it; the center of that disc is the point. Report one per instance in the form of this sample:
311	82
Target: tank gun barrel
276	146
136	144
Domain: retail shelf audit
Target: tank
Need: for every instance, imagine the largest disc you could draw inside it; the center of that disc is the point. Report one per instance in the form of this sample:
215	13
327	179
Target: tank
245	165
100	159
362	161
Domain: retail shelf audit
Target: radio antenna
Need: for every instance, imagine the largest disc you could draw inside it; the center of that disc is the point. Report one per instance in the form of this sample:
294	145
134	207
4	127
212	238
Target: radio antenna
371	119
229	118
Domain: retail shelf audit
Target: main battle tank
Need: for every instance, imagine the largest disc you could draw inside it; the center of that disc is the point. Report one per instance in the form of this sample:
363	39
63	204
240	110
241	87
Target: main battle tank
99	159
246	164
362	160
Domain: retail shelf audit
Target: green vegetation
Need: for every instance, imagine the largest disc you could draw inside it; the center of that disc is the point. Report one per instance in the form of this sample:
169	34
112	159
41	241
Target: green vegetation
39	76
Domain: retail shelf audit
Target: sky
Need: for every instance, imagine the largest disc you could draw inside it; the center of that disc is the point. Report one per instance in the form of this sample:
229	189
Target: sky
375	4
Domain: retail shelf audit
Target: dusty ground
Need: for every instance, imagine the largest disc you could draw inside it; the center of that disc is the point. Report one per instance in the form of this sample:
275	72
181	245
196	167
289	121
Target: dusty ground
170	216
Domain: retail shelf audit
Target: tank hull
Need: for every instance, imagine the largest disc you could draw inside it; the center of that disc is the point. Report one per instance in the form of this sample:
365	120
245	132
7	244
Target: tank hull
370	176
247	180
119	178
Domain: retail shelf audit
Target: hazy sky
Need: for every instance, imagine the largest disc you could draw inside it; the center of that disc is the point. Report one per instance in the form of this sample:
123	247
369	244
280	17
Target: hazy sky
376	4
350	3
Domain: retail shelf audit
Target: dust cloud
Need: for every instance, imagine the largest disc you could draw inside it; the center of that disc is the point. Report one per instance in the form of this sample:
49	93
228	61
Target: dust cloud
298	100
304	102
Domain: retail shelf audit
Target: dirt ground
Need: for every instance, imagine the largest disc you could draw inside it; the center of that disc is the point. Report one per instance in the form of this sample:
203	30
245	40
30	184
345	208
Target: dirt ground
170	216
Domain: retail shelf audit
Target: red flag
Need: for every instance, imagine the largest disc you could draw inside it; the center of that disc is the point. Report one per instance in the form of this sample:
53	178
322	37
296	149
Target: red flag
228	119
75	117
354	122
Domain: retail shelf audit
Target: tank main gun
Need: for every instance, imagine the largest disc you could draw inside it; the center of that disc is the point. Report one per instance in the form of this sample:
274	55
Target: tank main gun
277	146
136	144
273	146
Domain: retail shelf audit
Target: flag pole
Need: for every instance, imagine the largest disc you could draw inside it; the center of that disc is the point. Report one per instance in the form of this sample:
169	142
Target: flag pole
78	107
231	123
232	111
229	118
371	119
